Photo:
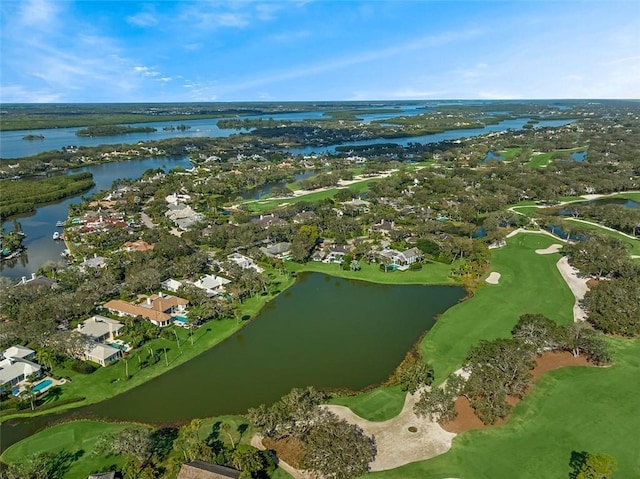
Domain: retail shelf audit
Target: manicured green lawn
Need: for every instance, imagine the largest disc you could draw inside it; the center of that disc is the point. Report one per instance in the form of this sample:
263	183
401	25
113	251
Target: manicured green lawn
379	404
570	409
431	273
79	438
529	283
543	159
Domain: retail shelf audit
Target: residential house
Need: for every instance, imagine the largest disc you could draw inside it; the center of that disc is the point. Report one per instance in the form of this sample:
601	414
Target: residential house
171	284
100	328
212	285
266	221
278	250
38	280
182	215
139	245
335	254
103	354
400	259
205	470
15	366
244	262
95	262
384	227
157	308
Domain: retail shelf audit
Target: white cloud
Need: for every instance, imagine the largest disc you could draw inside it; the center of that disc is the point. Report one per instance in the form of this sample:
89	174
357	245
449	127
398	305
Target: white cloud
38	12
143	19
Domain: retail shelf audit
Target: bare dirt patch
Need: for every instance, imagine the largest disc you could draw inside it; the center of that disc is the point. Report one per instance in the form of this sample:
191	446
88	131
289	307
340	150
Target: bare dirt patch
467	419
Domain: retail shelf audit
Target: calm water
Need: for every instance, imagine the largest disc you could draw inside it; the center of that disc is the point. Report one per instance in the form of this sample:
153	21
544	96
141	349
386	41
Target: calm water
511	124
39	226
13	146
323	331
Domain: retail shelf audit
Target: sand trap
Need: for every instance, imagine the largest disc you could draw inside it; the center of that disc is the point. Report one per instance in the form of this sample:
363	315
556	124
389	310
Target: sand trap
494	278
554	248
397	445
578	286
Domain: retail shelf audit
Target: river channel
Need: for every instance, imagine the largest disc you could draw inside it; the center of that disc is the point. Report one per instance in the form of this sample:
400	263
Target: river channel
327	332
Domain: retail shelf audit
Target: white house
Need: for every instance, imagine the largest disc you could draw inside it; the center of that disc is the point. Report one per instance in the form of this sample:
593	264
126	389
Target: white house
102	354
244	262
211	284
15	366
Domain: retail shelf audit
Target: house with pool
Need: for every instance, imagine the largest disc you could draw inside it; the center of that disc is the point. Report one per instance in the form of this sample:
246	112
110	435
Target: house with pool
100	331
160	309
16	366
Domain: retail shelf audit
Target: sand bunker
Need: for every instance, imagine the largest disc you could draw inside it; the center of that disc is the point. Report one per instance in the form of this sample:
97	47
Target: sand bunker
554	248
494	278
396	444
577	285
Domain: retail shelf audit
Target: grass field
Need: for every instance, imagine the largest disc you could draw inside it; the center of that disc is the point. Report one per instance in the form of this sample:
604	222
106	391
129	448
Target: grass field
260	206
543	159
530	283
379	404
571	409
77	438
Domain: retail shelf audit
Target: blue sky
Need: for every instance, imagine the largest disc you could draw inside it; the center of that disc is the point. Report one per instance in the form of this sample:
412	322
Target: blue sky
288	50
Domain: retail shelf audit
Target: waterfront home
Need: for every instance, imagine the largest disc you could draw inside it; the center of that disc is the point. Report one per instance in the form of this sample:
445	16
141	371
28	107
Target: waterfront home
15	366
206	470
37	280
183	216
100	328
244	262
157	308
103	354
335	254
400	259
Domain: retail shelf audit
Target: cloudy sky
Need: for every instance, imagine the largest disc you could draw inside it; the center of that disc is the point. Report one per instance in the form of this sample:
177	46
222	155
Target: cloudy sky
241	50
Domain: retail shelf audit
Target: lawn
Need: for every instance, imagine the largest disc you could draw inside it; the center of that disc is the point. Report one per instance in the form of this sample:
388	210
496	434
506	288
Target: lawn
431	272
380	404
530	283
543	159
571	409
260	206
78	438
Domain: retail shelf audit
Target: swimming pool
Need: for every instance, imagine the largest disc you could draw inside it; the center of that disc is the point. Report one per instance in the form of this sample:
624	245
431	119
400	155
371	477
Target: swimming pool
41	385
180	319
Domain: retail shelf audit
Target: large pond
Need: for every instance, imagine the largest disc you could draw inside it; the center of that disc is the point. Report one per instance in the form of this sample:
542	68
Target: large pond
326	332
